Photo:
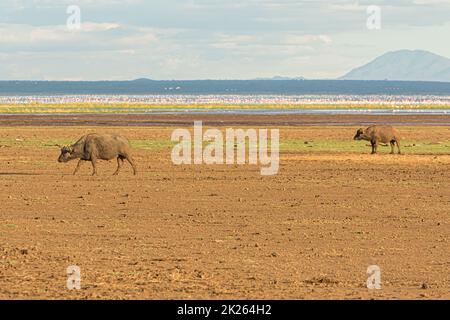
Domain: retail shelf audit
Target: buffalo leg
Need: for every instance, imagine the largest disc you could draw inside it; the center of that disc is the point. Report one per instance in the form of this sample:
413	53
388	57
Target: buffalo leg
94	166
398	147
78	166
374	146
392	146
131	161
119	165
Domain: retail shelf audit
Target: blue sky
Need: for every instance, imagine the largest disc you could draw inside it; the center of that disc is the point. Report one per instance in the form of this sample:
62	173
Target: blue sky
210	39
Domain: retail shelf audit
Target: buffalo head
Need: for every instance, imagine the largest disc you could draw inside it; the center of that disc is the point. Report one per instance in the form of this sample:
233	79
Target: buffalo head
66	154
359	134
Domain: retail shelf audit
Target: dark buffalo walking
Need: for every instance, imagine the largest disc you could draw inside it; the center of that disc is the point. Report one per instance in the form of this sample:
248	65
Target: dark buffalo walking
93	147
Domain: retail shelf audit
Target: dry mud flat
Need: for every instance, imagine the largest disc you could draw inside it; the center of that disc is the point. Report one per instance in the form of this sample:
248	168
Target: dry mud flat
220	231
177	119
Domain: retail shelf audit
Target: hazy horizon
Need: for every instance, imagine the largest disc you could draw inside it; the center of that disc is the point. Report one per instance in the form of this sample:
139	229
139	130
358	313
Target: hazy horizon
209	39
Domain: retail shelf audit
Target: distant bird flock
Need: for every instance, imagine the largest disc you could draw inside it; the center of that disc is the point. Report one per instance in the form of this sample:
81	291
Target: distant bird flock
391	100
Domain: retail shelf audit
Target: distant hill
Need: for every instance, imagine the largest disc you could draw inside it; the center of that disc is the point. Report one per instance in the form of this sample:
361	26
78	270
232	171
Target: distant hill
281	78
404	65
142	80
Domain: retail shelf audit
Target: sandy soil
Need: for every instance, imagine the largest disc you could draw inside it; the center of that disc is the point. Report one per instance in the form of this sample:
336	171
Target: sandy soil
224	231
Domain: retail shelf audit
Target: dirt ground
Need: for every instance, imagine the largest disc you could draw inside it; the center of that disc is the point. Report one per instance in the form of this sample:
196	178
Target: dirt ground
187	119
224	232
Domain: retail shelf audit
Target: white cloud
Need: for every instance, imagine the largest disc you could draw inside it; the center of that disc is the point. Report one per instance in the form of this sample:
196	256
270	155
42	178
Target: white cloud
307	39
21	4
92	26
96	35
123	39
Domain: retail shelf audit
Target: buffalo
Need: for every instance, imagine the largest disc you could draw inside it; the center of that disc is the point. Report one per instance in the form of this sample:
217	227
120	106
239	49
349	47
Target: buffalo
377	134
93	147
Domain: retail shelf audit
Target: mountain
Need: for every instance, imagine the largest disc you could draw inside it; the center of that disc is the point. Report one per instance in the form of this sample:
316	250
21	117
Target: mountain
405	65
281	78
142	80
